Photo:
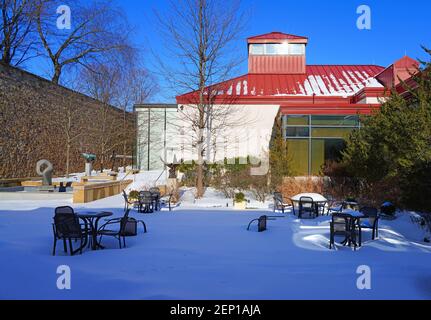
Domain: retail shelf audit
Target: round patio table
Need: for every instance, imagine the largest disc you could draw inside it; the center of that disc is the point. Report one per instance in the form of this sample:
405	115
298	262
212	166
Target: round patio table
318	199
93	219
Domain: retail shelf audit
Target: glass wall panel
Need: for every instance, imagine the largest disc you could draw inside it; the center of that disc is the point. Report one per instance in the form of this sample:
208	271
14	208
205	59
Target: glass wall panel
303	132
324	150
298	151
297	120
331	132
317	156
346	121
325	133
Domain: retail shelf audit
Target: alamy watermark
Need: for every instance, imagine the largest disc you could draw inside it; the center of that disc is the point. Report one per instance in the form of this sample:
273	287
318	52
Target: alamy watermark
64	21
364	20
64	281
364	280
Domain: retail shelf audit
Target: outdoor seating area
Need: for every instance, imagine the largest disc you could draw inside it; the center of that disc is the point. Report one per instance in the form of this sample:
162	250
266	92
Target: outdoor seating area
70	226
109	240
349	220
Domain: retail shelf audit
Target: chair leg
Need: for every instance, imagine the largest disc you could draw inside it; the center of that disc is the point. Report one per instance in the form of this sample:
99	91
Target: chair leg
55	244
82	242
124	242
64	245
70	246
144	225
119	241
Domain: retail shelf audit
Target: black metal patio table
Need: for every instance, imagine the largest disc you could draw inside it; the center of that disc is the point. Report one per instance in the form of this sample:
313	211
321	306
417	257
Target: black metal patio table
93	219
355	220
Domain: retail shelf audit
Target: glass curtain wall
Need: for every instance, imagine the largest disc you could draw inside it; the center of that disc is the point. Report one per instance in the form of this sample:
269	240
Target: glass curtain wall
314	140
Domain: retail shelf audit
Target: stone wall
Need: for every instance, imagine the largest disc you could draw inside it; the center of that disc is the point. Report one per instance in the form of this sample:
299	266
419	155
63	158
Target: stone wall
34	113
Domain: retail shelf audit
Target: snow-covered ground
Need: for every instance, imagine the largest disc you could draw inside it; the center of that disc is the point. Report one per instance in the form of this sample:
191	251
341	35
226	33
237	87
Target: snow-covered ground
202	250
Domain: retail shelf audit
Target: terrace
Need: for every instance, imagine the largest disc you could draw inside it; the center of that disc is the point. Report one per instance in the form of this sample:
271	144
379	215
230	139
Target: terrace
202	250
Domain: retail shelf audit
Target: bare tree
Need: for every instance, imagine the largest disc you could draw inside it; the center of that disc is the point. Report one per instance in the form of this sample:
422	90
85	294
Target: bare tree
136	86
98	30
17	41
69	120
199	37
118	86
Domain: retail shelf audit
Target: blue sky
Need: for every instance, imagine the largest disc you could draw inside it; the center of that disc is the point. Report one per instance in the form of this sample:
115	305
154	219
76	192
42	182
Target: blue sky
398	27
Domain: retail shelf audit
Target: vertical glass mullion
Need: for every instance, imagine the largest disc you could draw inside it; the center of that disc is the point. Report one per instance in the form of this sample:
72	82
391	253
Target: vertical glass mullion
309	146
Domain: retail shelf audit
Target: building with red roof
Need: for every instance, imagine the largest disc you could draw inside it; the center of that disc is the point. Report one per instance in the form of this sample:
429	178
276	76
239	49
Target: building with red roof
319	104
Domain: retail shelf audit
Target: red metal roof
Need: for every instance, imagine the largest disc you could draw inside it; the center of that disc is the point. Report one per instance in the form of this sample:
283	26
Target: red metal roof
277	36
319	81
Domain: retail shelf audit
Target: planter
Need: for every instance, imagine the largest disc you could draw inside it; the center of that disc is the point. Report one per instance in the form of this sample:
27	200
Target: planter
240	205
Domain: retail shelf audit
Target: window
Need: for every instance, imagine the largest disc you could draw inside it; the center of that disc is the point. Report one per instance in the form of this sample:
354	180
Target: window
342	121
257	49
297	120
315	140
331	132
298	132
277	49
324	150
299	158
296	49
271	49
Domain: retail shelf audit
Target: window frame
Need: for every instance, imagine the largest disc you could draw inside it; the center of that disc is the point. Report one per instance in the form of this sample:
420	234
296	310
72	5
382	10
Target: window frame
310	127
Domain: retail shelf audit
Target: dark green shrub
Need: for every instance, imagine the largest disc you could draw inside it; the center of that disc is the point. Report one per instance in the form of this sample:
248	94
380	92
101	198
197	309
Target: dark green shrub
239	197
416	187
134	195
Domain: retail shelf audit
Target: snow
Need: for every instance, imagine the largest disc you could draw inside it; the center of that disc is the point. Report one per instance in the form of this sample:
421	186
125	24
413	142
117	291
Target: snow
238	88
245	84
202	250
146	180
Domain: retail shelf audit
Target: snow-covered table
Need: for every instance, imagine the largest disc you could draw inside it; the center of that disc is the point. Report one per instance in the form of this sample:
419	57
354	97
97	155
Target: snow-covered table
315	196
319	200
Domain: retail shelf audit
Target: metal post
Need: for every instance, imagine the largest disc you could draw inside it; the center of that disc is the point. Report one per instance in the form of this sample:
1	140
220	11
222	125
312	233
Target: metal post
148	142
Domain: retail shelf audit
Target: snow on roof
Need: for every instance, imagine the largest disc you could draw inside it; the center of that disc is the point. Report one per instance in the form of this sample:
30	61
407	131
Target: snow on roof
319	80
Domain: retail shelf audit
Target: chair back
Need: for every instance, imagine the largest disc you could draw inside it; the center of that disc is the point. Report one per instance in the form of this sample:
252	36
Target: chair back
306	203
350	203
155	190
370	212
126	198
278	197
145	197
66	222
155	195
128	226
340	222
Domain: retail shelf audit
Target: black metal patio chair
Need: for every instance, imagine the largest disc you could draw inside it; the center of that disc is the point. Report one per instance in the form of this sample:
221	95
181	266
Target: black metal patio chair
341	225
279	203
127	202
67	227
146	202
372	222
128	227
156	196
307	206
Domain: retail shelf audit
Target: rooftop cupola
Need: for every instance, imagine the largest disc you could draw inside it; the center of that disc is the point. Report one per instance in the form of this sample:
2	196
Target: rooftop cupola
277	53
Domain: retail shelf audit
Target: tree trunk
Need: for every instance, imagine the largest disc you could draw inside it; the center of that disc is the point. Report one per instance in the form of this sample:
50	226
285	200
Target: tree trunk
201	106
67	159
200	168
57	74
